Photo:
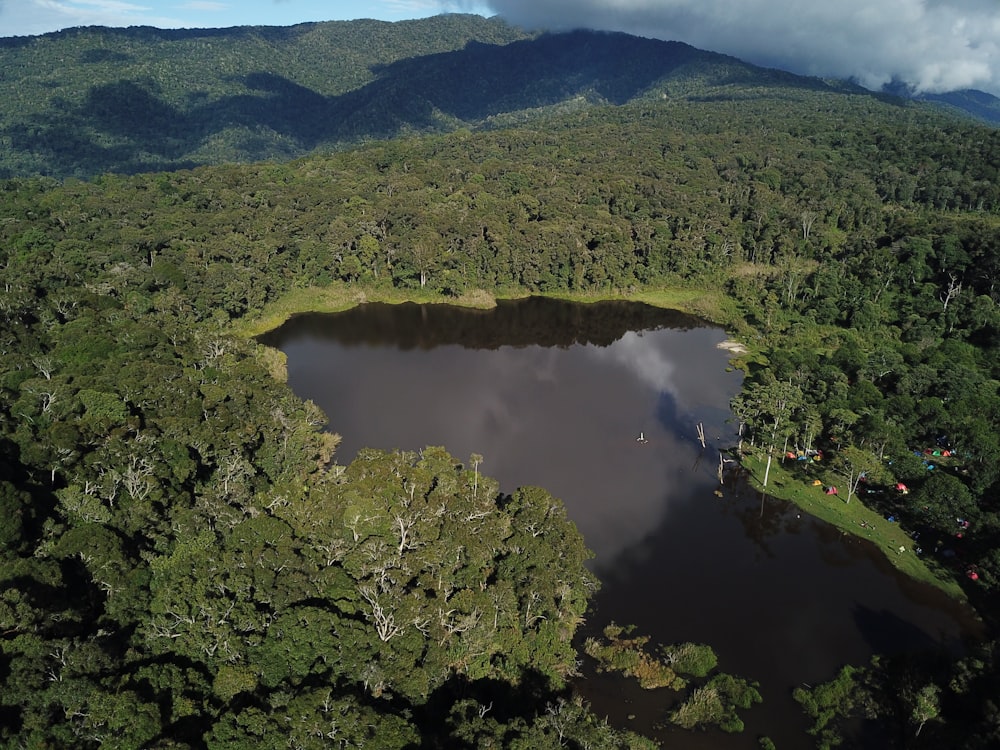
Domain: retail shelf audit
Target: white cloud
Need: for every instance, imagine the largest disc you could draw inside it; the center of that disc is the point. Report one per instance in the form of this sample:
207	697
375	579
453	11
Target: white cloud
934	45
650	363
418	8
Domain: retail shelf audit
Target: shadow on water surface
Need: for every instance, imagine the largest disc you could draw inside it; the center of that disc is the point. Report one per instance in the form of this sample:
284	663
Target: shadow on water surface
888	633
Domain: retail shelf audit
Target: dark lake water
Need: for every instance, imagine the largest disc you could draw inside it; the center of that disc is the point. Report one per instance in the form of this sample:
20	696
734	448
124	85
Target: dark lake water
555	394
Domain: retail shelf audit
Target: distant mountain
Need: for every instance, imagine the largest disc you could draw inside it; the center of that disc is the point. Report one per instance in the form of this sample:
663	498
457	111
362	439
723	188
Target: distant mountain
965	103
979	104
93	100
90	100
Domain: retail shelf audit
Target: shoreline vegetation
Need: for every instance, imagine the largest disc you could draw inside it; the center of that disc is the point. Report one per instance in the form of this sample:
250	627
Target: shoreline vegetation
338	297
852	518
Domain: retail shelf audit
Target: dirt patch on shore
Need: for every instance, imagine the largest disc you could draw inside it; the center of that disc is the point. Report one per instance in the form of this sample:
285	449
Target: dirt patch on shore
732	346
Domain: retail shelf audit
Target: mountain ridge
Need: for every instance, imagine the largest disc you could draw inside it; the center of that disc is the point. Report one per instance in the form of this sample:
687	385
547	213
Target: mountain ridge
92	100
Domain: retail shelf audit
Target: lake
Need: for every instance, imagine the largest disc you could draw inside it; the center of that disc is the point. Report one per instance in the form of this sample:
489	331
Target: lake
556	394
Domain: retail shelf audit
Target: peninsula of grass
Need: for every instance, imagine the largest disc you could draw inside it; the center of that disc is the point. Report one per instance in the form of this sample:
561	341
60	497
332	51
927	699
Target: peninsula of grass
853	518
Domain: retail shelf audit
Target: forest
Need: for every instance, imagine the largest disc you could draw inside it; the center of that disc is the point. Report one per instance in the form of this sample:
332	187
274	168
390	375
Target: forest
187	565
87	101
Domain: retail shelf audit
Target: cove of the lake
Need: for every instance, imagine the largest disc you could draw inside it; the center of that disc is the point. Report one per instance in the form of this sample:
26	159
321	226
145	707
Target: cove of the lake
556	394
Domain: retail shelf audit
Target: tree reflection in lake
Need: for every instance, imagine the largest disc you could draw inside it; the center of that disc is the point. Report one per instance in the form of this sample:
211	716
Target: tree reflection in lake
555	394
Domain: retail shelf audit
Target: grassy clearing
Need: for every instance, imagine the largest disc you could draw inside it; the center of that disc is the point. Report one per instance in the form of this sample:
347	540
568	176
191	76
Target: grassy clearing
709	304
854	518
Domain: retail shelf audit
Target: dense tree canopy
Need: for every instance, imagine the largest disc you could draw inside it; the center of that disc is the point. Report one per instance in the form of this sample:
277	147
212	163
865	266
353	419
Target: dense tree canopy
186	563
86	101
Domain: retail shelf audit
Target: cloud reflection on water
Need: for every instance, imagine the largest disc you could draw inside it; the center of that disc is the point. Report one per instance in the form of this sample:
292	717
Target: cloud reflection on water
564	418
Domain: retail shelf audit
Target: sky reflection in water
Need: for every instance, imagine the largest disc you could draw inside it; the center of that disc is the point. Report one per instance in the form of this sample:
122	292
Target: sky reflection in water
566	418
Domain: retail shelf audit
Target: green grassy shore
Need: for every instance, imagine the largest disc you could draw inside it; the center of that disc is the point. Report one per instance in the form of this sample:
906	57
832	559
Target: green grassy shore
787	483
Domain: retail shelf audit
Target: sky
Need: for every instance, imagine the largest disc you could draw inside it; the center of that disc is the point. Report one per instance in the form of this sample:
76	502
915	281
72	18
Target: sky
933	45
29	17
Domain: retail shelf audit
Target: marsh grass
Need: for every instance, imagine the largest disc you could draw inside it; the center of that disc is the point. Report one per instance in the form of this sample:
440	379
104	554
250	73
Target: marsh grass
628	655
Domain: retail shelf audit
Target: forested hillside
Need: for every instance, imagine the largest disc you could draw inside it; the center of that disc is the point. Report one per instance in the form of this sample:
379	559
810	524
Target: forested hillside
979	104
93	100
186	564
90	100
